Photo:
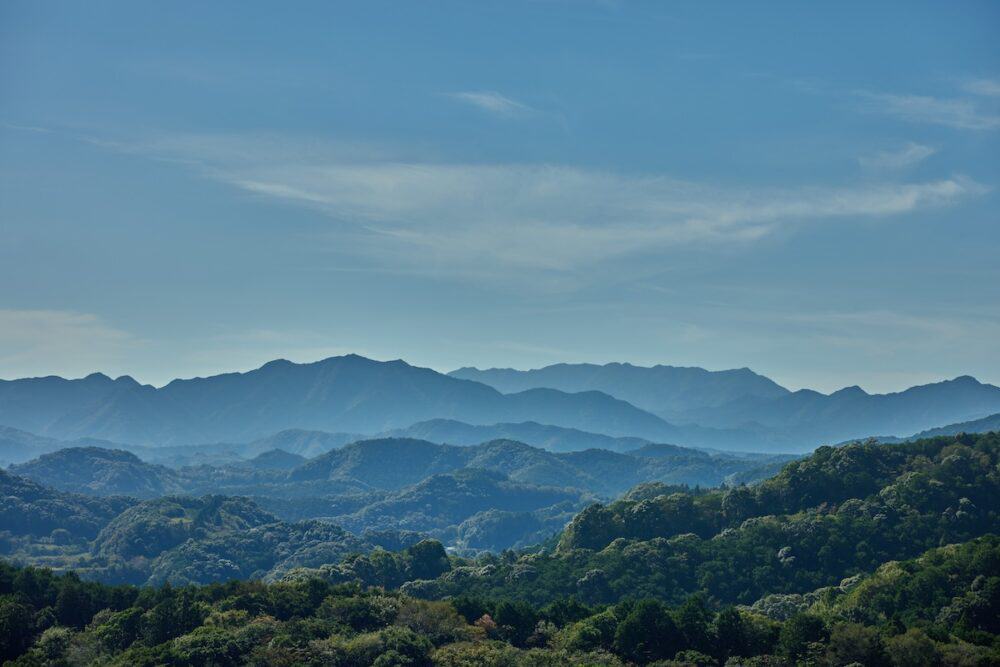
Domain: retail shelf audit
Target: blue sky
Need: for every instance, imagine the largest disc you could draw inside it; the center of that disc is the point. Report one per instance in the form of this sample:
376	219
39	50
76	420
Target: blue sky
808	190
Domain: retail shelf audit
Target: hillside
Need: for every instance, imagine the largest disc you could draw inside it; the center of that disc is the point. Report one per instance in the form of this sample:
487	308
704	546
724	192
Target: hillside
300	442
180	539
836	513
339	394
103	472
546	436
984	425
835	560
385	464
940	608
17	446
596	471
438	504
276	459
28	509
495	495
154	526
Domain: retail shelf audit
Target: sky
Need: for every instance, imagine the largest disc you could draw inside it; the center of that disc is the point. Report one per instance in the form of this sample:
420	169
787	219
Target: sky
809	190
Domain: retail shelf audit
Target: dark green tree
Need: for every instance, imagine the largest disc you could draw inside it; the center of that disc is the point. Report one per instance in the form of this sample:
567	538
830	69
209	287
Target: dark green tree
798	633
648	633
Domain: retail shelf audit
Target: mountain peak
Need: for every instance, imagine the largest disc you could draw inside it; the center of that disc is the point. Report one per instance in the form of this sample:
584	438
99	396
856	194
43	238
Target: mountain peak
853	390
277	363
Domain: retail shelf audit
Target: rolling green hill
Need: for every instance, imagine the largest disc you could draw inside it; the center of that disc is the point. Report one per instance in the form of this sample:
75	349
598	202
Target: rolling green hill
96	471
836	513
835	560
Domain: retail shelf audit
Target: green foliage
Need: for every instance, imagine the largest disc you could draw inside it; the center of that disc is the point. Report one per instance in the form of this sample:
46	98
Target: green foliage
494	495
851	572
647	633
845	511
28	509
799	634
154	526
309	620
16	624
99	471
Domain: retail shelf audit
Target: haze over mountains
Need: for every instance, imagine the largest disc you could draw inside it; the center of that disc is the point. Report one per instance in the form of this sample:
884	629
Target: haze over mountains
347	393
668	391
384	464
565	407
741	400
494	495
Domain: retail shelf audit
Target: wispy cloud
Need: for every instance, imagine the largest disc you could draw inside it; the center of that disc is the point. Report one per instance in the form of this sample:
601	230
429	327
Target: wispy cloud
953	112
984	87
492	102
26	128
548	217
560	218
909	155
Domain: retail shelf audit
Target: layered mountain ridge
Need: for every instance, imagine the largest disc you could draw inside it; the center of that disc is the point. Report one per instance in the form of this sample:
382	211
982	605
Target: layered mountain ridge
350	397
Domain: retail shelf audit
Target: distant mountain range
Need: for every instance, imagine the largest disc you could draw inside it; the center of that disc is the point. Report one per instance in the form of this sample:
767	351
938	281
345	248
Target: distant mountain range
347	393
810	416
668	391
742	405
349	397
984	425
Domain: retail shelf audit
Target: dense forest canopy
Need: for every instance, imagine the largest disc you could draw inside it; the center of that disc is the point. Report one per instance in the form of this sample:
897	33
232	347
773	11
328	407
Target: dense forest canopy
866	553
941	608
490	496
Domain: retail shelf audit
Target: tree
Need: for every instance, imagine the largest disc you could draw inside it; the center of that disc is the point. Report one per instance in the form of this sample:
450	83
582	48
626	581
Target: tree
850	642
516	620
595	632
72	605
593	528
738	503
694	623
438	621
648	633
797	633
913	649
15	627
427	560
730	634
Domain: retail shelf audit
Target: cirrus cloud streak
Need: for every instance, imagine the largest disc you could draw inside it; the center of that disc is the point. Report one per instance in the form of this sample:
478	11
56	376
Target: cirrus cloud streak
555	217
541	216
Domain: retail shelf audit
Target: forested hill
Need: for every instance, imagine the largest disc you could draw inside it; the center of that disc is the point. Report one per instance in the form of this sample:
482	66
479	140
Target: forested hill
839	512
383	464
942	608
546	436
835	560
